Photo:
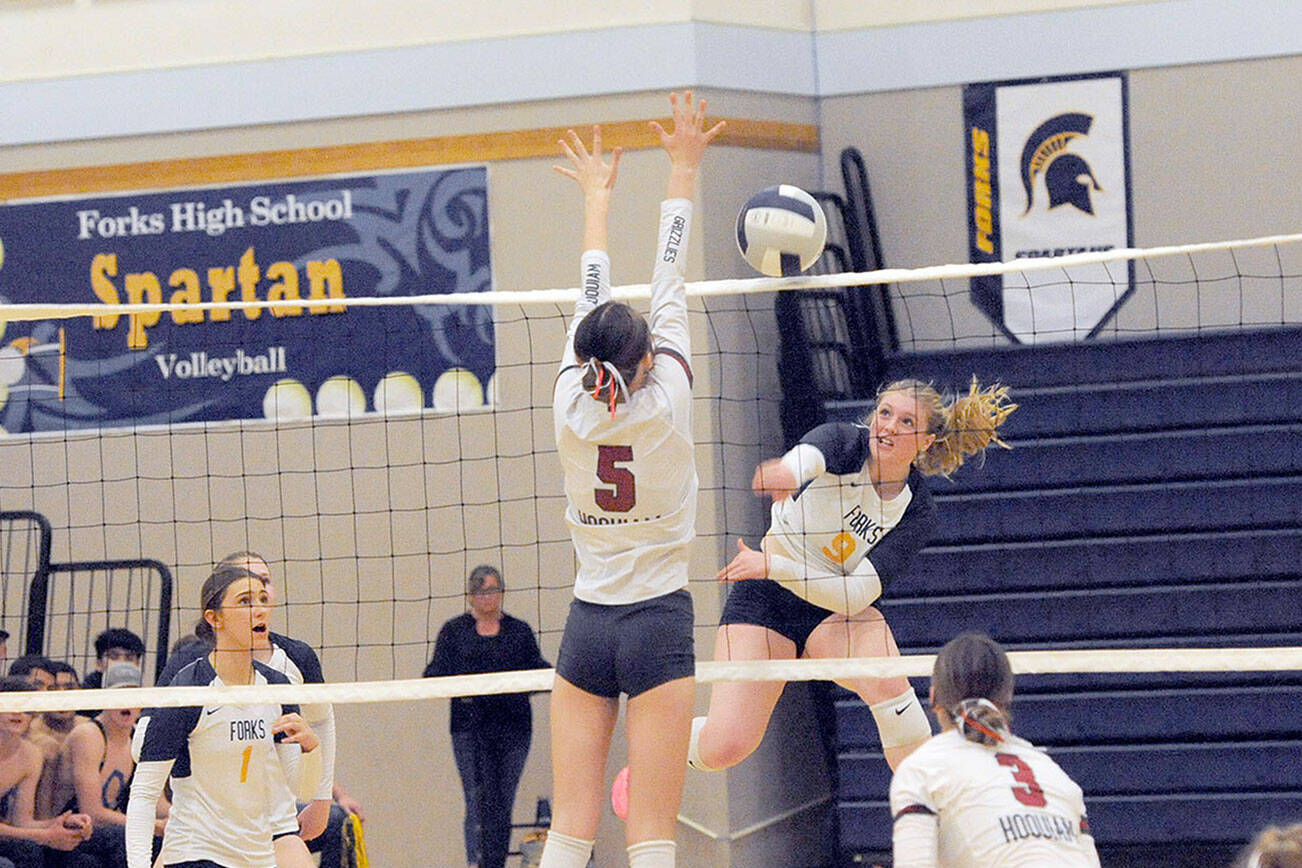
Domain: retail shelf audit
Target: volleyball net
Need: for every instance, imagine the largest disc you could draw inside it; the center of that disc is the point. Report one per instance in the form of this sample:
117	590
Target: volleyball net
373	500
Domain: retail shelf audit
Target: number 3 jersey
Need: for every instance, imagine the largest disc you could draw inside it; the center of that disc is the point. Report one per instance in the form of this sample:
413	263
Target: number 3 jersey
226	775
630	477
958	804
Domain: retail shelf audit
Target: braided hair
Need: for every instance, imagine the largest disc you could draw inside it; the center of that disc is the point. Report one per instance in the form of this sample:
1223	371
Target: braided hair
972	683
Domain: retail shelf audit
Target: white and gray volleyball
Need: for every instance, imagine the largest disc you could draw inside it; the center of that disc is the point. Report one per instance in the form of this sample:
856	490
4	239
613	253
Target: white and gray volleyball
781	231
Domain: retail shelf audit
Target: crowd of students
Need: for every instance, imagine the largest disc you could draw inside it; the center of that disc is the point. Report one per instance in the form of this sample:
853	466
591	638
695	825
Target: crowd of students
67	777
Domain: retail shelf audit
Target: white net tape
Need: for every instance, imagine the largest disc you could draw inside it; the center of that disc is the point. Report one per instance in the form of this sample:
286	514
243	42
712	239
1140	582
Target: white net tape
705	288
1083	661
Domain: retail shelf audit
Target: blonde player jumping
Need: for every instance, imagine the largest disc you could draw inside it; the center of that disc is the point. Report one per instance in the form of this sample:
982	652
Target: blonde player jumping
851	507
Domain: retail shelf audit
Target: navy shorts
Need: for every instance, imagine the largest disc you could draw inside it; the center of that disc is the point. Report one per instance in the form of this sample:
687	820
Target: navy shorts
768	604
628	648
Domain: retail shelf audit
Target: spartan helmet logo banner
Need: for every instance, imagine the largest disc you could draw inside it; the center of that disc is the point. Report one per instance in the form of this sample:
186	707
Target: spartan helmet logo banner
1048	176
1067	176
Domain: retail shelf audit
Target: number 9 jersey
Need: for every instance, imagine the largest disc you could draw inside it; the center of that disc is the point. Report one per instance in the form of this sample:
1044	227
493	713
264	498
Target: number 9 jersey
959	804
630	476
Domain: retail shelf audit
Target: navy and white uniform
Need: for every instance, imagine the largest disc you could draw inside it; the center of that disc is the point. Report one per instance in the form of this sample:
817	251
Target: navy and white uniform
958	804
834	545
301	665
630	479
225	768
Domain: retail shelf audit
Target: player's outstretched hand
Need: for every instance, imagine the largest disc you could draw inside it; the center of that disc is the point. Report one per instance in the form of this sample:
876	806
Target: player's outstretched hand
687	142
748	563
296	730
590	170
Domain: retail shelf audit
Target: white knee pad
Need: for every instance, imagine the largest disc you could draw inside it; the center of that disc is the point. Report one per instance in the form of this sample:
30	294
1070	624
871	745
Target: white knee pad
562	851
901	720
651	854
694	747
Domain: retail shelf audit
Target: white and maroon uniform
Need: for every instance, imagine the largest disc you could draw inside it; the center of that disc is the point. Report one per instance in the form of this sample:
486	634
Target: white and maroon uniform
630	479
959	804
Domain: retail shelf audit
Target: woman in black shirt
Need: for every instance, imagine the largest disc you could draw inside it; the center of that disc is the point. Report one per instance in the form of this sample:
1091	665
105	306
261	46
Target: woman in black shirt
490	734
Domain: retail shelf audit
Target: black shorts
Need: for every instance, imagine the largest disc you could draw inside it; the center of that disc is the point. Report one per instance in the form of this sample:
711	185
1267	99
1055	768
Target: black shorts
768	604
628	648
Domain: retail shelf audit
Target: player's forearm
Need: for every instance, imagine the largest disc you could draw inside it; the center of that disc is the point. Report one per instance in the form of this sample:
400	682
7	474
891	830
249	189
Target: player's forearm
596	213
325	731
146	788
668	297
289	754
682	181
805	462
846	594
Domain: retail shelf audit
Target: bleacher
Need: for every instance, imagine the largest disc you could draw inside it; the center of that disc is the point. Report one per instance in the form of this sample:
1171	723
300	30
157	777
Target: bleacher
1153	498
65	605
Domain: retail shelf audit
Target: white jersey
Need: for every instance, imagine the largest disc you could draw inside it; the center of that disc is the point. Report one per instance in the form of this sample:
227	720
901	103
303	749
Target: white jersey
835	542
224	770
630	480
958	804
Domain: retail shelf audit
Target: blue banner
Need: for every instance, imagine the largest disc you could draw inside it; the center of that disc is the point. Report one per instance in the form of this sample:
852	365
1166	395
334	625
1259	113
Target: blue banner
393	234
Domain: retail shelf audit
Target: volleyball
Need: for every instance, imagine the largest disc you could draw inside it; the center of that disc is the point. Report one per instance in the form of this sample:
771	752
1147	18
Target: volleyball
781	230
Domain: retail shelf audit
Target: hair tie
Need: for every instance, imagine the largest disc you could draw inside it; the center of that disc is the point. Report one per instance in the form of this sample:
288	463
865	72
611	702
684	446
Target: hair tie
607	376
967	714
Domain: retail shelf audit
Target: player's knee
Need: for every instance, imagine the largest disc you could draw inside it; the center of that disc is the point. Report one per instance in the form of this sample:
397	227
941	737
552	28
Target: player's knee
901	720
723	747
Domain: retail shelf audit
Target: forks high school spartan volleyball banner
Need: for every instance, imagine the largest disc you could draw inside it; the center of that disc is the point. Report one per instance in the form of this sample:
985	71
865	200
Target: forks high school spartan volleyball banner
399	233
1048	174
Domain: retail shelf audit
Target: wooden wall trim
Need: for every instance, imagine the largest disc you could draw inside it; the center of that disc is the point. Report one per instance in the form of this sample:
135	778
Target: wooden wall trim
408	153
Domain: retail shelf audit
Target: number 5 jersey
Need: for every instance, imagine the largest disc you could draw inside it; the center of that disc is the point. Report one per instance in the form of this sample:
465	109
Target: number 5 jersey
630	476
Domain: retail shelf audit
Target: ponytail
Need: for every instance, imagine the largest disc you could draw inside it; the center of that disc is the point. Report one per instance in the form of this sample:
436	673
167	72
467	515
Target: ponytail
972	684
981	721
609	342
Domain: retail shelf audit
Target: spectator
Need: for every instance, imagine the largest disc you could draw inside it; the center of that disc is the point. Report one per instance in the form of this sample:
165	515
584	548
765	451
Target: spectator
24	840
490	734
48	732
95	769
115	645
37	670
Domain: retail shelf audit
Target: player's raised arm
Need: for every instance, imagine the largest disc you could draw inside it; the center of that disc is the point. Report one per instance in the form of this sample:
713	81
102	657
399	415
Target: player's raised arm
596	179
685	143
